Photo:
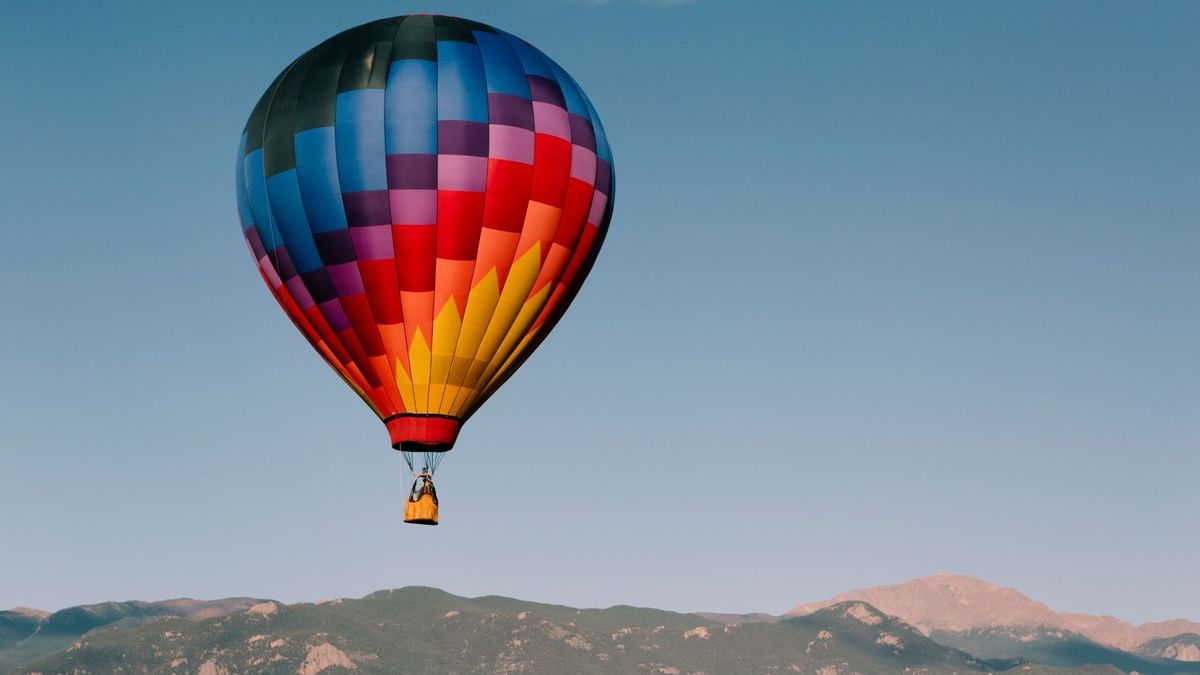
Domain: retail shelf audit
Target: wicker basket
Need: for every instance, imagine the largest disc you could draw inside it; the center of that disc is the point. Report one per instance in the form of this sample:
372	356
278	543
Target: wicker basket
421	511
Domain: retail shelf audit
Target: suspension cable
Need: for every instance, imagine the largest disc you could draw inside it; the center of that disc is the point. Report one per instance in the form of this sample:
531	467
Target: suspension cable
432	460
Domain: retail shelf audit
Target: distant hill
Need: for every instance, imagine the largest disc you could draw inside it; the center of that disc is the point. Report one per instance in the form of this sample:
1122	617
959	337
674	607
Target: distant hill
27	635
952	603
1184	647
736	619
427	631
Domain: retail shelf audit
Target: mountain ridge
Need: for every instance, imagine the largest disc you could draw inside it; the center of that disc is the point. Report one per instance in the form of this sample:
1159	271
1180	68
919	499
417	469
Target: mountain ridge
425	630
937	625
959	603
28	634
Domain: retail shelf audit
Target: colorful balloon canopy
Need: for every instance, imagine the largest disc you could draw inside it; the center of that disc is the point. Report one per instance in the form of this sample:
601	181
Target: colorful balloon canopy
424	196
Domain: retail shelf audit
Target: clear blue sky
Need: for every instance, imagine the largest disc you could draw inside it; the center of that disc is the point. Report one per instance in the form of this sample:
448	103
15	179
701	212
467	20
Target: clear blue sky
891	289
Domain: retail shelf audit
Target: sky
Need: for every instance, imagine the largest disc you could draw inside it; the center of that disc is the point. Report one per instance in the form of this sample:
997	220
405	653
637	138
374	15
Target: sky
891	289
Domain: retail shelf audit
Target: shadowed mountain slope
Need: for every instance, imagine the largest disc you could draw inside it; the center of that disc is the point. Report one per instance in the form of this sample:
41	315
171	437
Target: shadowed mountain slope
1056	647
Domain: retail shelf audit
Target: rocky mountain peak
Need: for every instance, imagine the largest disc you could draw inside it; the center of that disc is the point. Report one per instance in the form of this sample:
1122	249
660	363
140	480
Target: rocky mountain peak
951	602
958	603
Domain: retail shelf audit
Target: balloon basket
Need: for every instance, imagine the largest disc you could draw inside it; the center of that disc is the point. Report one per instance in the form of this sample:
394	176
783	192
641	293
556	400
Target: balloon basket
421	511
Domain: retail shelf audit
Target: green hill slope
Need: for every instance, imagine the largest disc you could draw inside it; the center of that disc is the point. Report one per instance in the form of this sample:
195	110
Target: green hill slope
28	635
427	631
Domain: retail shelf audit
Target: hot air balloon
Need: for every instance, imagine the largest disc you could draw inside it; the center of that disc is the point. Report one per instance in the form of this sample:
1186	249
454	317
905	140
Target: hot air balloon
424	196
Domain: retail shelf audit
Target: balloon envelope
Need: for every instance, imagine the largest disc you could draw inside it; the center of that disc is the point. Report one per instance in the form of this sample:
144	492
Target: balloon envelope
424	196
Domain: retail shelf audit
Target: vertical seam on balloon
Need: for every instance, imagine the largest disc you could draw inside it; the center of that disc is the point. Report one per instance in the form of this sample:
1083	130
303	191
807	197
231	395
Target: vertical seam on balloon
392	366
397	405
271	227
301	322
437	311
364	385
516	347
560	310
415	317
437	217
391	231
484	377
464	395
278	242
245	195
591	254
595	172
475	261
594	122
358	388
353	337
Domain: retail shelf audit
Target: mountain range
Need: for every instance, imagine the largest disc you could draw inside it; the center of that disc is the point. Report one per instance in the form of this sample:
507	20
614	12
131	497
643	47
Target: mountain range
937	626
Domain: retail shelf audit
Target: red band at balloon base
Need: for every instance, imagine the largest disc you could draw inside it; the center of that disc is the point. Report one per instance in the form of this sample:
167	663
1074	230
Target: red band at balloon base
423	433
